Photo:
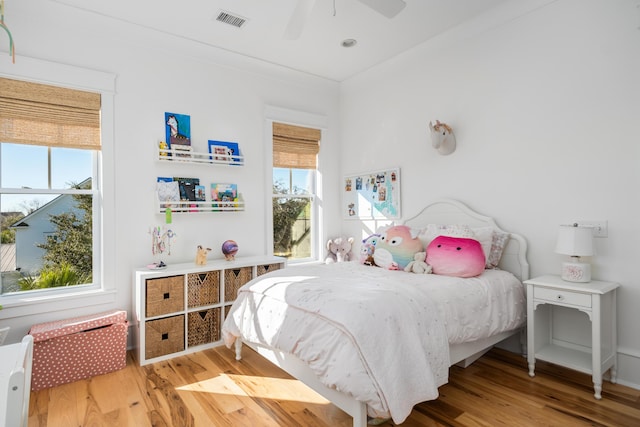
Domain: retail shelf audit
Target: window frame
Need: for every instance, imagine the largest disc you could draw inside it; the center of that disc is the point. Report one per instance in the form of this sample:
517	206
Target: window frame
296	118
102	290
312	196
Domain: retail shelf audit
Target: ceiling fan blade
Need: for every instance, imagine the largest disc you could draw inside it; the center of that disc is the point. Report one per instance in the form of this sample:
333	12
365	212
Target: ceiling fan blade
388	8
298	19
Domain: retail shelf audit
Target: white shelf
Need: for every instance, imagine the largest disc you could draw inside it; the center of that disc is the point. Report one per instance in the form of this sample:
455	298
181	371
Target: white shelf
190	207
175	316
571	358
176	156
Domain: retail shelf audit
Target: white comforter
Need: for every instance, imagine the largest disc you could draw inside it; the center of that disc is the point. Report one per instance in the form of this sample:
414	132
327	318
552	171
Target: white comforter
381	336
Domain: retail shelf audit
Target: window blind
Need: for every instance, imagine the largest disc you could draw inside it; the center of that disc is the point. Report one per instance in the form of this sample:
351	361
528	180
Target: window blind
295	146
39	114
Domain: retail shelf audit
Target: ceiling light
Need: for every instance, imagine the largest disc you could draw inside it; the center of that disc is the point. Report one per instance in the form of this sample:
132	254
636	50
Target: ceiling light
349	42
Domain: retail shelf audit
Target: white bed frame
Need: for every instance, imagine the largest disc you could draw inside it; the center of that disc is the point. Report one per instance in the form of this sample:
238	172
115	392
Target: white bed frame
445	211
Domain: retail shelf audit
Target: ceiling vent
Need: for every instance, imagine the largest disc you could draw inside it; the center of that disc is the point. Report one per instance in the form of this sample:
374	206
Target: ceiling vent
231	19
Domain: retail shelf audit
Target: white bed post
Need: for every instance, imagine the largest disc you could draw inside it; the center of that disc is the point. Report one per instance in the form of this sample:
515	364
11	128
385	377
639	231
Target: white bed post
238	345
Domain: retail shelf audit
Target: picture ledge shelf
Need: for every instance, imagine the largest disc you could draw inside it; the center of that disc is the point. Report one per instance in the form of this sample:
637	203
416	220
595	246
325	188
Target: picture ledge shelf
179	156
191	207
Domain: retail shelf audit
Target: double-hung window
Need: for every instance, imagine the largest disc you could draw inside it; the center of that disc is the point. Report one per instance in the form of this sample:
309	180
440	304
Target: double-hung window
50	142
295	151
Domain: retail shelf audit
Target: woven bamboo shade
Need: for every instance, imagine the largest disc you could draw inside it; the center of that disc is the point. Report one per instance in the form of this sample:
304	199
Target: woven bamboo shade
39	114
295	146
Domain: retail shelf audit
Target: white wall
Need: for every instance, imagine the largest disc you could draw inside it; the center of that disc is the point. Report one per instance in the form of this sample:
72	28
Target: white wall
227	97
543	99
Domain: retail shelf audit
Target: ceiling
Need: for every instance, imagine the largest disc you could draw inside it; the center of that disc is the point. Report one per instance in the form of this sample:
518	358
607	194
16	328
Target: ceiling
318	50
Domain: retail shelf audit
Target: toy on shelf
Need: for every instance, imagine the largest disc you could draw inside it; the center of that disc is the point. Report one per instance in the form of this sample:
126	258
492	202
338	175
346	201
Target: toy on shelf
160	243
201	255
229	249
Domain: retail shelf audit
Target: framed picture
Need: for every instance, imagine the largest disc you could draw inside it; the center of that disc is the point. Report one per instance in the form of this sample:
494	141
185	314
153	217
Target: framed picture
224	151
178	130
372	195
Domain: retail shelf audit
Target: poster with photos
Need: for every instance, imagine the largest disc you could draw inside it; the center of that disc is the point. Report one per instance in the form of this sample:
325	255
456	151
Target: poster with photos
372	195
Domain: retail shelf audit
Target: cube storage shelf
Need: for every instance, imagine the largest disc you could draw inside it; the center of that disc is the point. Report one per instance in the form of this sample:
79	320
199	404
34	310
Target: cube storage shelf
180	309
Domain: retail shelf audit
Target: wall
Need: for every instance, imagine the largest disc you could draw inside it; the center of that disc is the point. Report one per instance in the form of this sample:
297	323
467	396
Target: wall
543	99
227	97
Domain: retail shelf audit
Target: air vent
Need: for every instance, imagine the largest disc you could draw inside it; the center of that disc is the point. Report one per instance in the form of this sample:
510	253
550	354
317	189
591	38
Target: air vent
231	19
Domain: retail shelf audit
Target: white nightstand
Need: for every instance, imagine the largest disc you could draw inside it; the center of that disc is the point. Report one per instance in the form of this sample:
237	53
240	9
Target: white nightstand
598	300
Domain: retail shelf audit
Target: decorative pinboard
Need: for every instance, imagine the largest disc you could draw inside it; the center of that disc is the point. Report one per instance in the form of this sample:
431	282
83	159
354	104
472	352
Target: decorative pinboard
372	195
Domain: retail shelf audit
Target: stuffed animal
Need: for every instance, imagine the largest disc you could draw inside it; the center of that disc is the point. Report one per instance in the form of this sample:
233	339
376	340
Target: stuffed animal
367	249
418	265
396	247
201	255
455	256
339	250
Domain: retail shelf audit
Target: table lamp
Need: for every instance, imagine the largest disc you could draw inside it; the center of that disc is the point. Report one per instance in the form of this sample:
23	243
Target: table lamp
575	241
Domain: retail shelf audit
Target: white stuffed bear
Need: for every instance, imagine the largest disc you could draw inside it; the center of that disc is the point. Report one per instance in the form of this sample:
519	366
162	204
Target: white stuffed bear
339	250
418	265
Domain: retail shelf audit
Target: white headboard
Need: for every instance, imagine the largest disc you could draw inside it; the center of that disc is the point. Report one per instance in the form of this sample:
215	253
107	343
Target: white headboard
448	211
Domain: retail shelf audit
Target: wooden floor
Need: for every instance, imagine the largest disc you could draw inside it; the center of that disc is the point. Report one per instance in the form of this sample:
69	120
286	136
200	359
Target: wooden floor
210	388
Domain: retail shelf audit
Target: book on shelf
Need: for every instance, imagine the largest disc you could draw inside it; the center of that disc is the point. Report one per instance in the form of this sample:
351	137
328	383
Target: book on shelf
224	195
224	151
187	187
181	152
168	191
201	193
178	130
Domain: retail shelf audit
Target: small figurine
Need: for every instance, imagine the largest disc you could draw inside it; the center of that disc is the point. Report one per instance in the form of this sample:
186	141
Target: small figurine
229	249
201	255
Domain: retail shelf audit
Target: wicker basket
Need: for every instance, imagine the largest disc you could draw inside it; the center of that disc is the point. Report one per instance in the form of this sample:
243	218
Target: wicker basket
203	288
263	269
164	336
234	278
165	295
204	327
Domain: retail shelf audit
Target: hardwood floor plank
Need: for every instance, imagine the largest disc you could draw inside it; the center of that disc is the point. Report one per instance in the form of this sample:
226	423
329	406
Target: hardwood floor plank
211	388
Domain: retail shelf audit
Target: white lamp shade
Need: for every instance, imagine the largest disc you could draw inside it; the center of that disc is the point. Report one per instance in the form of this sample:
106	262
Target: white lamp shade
574	240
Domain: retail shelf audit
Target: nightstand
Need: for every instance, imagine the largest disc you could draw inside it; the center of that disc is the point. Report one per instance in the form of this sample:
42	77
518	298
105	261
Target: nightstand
598	300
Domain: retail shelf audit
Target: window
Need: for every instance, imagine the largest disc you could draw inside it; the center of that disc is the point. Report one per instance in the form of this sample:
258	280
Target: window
49	186
294	200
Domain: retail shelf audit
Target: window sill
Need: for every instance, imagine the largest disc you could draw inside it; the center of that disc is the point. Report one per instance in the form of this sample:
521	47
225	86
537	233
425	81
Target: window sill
36	303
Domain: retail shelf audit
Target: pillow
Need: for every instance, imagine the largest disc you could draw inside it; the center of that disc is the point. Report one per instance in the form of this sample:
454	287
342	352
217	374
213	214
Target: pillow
456	256
487	236
498	243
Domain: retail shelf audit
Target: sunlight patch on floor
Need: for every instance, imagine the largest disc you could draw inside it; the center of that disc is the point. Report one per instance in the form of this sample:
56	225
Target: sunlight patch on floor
253	386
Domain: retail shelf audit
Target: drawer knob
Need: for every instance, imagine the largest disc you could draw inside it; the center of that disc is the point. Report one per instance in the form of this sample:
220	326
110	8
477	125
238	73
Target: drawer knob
560	297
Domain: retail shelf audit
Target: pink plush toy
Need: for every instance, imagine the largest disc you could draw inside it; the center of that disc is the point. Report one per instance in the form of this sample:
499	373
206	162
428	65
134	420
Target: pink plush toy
455	256
397	247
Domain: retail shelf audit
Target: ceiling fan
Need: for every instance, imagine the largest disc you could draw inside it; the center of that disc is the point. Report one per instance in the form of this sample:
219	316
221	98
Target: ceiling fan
298	20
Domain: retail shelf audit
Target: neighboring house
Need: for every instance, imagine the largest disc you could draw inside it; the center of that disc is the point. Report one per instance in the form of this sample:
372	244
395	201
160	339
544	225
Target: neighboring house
8	257
34	228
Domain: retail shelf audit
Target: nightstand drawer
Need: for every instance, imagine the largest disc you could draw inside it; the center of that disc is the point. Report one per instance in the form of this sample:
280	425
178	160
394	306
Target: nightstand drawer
563	297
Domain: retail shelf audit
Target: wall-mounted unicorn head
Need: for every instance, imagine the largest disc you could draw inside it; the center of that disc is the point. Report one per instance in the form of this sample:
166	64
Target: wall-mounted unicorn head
442	138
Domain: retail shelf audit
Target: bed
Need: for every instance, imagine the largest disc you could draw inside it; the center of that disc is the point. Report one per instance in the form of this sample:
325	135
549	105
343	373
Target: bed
376	342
